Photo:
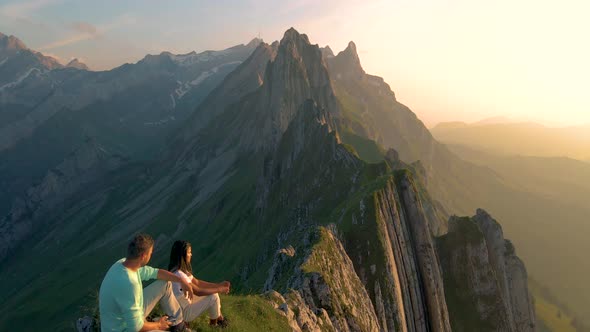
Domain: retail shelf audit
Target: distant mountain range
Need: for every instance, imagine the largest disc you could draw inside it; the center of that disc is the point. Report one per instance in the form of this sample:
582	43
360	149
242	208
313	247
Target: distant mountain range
527	139
294	171
17	62
47	110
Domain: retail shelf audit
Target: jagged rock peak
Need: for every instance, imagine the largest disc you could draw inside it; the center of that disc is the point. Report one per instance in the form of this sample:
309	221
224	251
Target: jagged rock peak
293	35
327	52
488	225
11	42
75	63
483	214
350	54
255	42
262	54
351	48
347	62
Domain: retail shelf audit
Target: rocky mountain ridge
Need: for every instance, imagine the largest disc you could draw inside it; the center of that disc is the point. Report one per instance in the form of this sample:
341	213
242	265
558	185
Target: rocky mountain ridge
269	193
17	62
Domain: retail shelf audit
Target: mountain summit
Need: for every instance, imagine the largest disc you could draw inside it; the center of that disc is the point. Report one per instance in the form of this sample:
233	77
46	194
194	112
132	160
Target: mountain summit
11	43
75	63
346	64
19	62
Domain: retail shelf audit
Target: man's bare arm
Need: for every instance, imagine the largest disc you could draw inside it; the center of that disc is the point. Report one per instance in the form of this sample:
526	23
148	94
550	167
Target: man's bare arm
168	276
162	324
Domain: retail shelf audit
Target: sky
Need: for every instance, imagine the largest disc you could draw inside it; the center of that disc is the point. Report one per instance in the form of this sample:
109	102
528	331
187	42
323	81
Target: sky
452	60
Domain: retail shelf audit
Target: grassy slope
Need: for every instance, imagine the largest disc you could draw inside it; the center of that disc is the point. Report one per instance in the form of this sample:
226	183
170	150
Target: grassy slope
550	315
367	149
245	313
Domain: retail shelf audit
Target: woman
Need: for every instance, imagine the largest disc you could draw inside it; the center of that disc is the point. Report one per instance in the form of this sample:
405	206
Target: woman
206	293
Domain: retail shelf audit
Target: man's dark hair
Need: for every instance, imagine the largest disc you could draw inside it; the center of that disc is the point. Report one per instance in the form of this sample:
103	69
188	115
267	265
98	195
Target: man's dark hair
140	244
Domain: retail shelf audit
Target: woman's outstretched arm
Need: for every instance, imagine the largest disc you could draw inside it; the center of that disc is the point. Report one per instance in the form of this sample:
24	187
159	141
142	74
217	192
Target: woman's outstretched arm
203	288
206	284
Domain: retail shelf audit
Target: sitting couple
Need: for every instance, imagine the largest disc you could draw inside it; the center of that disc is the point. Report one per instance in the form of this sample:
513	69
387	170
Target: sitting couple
124	304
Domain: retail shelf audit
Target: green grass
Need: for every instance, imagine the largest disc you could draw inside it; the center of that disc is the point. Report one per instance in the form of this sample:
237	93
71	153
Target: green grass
245	313
550	317
367	149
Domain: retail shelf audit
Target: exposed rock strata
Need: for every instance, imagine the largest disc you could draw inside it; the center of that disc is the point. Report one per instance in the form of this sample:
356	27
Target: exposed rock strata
485	282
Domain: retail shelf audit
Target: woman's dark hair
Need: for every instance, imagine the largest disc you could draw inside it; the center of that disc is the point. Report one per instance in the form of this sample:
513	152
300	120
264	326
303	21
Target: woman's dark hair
178	257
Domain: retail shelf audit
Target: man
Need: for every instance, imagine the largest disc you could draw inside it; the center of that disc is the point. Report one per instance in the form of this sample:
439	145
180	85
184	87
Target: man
123	302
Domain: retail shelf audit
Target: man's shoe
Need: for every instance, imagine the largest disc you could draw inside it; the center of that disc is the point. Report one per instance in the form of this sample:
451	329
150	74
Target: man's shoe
182	327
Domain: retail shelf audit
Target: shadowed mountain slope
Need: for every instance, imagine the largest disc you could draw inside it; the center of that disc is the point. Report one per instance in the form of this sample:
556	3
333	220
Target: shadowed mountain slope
130	110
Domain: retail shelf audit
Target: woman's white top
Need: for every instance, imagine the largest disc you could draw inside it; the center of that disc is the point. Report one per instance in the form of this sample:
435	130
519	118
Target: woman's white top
176	286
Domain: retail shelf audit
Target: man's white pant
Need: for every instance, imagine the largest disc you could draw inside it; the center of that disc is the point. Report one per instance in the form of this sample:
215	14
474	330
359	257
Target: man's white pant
198	305
161	291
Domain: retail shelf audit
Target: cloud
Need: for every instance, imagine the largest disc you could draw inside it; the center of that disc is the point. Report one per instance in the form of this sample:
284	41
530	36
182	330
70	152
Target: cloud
66	41
85	28
81	31
23	9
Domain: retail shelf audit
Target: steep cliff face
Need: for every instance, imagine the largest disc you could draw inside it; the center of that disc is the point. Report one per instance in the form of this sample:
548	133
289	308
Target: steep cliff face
390	243
510	271
245	79
327	281
296	74
485	283
377	213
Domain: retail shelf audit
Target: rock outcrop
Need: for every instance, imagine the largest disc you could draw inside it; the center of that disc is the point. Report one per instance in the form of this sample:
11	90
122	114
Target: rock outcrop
325	291
485	282
510	272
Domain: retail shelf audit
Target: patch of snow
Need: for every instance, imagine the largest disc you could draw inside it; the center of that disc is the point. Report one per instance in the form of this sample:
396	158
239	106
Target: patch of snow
159	122
185	87
206	74
201	78
182	89
173	101
192	58
20	79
